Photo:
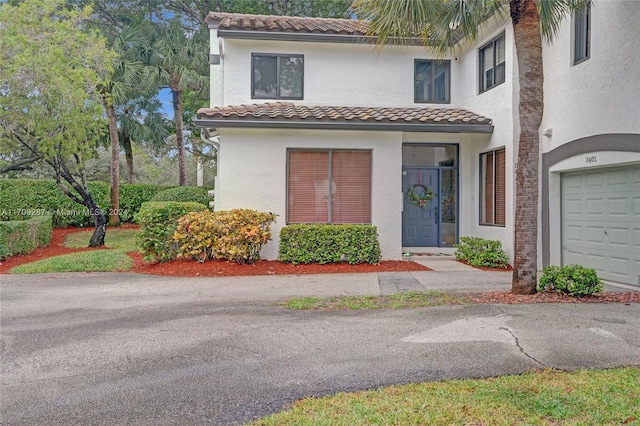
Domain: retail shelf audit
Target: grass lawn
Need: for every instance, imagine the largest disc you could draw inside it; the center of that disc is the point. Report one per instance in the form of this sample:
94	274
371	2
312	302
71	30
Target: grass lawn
414	299
585	397
114	258
118	239
86	261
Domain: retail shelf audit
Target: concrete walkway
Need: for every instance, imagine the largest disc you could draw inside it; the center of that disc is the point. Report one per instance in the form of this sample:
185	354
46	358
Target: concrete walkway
441	263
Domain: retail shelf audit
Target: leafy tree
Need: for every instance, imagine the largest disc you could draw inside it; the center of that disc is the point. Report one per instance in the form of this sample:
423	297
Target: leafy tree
51	69
442	23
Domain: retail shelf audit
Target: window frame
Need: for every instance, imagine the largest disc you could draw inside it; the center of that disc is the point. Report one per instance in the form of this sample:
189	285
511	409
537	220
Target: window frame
278	57
481	56
330	151
481	192
447	84
581	43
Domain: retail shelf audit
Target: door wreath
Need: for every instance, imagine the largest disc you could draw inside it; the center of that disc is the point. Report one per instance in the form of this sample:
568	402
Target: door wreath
419	200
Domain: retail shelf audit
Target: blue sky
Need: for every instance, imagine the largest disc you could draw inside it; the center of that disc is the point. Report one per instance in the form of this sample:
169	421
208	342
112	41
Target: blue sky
167	107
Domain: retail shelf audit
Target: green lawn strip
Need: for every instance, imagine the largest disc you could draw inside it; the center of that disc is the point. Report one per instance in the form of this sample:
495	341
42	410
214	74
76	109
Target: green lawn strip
549	397
414	299
114	258
118	239
86	261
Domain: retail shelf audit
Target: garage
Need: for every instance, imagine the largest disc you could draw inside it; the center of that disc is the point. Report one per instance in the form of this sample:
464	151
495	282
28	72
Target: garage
600	227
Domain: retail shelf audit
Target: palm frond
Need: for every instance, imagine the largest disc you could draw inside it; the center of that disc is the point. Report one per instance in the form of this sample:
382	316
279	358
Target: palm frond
554	12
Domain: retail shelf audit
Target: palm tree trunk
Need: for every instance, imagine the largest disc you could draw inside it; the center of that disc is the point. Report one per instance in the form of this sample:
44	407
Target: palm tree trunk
528	42
114	218
177	116
128	154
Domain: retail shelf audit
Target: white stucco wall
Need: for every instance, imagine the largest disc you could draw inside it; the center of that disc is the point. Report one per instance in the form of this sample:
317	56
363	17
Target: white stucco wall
602	94
500	104
252	174
598	96
334	73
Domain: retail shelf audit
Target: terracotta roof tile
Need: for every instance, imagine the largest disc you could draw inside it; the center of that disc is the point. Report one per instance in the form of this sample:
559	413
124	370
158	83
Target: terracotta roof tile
287	111
294	24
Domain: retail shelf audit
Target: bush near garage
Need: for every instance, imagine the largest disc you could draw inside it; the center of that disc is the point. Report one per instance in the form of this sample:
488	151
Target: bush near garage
237	235
480	252
323	243
24	236
20	198
158	220
574	280
184	194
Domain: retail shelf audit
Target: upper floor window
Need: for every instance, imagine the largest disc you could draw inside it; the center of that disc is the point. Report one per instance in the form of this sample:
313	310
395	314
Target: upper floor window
277	76
492	63
581	33
432	81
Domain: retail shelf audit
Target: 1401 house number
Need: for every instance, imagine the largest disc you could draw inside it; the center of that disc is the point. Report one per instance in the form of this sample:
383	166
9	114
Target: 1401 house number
592	159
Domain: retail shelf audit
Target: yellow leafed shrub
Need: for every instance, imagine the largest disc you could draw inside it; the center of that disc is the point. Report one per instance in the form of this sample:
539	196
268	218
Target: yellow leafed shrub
236	235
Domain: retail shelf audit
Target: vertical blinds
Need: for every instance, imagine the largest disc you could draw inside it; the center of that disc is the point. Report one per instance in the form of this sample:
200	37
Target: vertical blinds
329	186
494	187
488	188
500	187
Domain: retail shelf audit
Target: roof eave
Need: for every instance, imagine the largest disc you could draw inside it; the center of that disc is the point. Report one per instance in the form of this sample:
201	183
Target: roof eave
309	37
330	125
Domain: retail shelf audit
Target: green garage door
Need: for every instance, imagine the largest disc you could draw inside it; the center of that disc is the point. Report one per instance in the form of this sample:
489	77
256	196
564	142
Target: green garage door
601	222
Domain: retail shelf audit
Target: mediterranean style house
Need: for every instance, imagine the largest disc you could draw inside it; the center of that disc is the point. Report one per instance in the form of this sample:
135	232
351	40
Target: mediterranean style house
314	122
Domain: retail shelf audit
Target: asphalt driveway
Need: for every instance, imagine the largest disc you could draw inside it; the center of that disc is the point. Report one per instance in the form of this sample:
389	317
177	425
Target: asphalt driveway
129	349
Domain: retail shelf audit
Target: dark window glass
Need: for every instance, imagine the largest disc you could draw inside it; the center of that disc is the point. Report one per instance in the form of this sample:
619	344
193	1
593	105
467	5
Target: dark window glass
432	81
581	34
277	76
492	64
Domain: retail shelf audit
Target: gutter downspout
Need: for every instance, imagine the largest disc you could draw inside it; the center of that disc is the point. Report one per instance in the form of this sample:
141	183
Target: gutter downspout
212	137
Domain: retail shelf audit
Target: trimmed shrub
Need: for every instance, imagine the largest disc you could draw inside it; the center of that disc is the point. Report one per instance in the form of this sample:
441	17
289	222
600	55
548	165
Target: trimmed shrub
158	221
132	195
574	280
22	198
480	252
236	235
320	243
184	194
24	236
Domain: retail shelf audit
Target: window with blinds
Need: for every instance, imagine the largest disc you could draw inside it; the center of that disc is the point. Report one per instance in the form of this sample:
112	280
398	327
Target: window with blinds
329	186
493	188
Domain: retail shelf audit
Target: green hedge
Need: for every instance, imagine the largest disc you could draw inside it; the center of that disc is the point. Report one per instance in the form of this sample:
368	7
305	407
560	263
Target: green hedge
317	243
22	198
184	194
24	236
480	252
158	222
574	280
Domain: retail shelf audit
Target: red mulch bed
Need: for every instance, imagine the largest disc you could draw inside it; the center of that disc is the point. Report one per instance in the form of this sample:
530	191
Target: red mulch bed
218	268
222	268
549	297
215	268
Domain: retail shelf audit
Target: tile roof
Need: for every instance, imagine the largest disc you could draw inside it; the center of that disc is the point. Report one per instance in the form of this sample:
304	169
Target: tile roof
316	115
290	24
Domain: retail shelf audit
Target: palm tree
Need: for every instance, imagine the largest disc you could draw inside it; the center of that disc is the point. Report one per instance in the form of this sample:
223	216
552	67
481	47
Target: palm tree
140	121
441	24
125	80
179	61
